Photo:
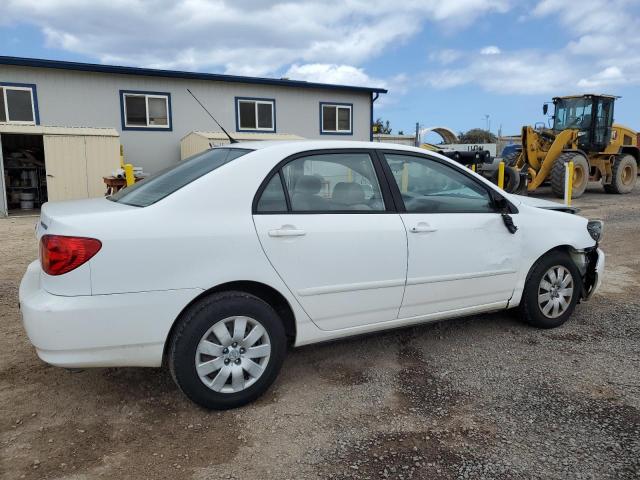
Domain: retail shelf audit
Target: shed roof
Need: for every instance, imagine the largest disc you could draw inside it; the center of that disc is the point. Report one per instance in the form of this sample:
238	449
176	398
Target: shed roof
246	136
51	130
152	72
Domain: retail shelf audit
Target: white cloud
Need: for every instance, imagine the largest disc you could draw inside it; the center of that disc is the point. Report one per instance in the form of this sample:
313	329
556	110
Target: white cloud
601	54
331	73
525	72
490	50
607	77
349	75
240	36
446	56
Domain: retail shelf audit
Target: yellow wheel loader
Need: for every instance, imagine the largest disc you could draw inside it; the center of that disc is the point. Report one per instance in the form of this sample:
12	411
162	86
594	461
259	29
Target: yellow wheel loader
583	132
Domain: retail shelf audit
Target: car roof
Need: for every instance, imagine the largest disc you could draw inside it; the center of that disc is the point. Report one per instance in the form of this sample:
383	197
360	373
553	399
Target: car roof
294	146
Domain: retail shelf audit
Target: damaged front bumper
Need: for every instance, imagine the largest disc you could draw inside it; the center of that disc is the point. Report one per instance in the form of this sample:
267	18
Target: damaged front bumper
590	262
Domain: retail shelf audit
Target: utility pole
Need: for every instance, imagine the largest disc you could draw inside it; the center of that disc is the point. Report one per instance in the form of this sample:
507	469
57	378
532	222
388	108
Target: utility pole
417	142
487	118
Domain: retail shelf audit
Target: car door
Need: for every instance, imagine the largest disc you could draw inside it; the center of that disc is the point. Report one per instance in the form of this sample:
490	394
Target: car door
461	255
331	233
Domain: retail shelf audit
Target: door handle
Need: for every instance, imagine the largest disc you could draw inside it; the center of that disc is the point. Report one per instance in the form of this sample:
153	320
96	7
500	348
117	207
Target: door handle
422	227
287	231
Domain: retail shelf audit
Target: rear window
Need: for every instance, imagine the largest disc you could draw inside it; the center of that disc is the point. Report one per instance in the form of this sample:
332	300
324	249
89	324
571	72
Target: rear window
165	182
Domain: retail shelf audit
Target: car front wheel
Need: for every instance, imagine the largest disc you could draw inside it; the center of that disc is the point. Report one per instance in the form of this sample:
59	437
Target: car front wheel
227	350
551	291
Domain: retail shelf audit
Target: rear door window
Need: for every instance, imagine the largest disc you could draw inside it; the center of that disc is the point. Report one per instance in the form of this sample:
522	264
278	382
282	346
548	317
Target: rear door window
165	182
333	182
273	198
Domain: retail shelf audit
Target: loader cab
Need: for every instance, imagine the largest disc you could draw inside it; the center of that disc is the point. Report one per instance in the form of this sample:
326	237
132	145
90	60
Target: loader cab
591	114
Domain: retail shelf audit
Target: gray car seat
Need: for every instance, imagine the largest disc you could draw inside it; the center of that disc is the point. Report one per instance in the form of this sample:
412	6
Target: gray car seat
305	194
349	196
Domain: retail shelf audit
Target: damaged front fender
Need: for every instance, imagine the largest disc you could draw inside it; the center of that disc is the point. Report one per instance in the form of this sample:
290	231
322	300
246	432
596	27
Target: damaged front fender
590	262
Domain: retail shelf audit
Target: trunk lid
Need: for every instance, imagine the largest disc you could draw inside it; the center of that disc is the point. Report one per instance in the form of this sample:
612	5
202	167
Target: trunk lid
80	218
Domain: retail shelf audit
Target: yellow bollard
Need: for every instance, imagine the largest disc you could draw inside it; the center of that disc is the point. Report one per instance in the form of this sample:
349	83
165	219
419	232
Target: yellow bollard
473	167
568	183
501	175
128	174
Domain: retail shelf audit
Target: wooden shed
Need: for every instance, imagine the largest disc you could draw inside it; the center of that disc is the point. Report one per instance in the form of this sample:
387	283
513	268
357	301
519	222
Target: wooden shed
45	163
196	142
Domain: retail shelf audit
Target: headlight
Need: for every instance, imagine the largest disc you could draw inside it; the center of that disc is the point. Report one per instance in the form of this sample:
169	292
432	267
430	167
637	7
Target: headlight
595	229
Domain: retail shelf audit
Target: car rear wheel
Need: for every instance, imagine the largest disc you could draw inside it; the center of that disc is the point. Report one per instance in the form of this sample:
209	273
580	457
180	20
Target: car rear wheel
551	291
227	350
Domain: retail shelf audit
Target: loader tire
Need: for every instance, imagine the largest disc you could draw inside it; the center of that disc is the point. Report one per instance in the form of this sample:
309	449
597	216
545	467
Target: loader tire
580	174
511	159
511	179
625	173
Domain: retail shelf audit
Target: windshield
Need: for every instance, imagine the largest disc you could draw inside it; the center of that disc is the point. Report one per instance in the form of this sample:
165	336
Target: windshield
164	183
573	113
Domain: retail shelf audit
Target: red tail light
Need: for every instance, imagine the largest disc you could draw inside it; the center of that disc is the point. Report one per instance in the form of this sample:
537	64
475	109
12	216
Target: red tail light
60	254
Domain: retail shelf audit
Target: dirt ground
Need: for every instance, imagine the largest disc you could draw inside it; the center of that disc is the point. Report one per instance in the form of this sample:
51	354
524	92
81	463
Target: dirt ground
480	397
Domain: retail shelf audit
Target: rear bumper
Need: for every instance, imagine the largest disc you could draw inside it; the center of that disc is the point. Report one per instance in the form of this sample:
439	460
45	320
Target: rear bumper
595	270
128	329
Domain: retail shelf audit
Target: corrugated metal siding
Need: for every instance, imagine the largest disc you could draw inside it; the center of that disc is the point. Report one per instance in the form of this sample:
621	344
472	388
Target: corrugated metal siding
84	98
102	157
66	166
196	142
192	144
75	165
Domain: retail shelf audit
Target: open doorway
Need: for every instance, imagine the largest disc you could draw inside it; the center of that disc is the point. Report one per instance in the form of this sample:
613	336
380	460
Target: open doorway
23	172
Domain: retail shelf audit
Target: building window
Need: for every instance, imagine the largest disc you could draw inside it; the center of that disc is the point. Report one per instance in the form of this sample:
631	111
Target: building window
336	118
255	114
145	110
18	104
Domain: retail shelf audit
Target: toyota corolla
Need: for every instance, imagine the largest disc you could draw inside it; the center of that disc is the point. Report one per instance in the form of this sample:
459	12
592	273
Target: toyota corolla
221	263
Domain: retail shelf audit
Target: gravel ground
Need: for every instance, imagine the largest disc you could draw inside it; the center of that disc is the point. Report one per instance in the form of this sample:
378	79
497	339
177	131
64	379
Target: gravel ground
480	397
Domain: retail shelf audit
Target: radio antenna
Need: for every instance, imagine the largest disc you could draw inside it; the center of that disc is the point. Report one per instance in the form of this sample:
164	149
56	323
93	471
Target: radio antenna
231	139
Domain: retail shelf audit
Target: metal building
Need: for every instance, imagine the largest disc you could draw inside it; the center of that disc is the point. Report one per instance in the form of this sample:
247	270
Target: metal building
152	110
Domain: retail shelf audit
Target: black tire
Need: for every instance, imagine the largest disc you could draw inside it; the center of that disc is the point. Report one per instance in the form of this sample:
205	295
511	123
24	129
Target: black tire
530	309
625	173
510	159
197	320
511	179
581	173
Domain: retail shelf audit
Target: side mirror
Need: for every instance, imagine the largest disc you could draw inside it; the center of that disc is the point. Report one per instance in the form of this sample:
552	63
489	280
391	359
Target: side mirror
500	203
545	109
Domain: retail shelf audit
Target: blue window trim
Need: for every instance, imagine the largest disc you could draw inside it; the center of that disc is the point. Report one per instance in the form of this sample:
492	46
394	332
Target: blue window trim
337	104
34	92
252	130
146	129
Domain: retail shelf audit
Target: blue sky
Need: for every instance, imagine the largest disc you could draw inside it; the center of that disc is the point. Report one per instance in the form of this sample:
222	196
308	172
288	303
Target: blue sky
444	63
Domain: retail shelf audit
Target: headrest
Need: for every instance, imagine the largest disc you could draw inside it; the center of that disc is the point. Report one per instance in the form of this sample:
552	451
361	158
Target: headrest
308	184
348	193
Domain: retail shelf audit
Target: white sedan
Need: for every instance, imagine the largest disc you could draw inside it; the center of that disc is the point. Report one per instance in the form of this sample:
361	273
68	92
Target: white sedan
220	263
